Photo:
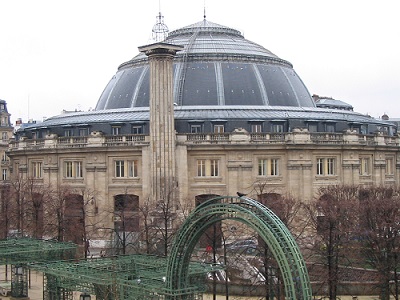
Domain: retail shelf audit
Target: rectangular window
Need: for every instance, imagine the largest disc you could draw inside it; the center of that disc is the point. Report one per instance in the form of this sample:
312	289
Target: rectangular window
313	127
4	136
119	168
320	166
277	128
208	167
137	129
201	167
4	174
330	170
37	169
132	168
195	128
73	169
126	168
255	128
268	167
83	131
116	130
389	166
330	128
214	163
219	129
365	164
67	132
326	166
274	167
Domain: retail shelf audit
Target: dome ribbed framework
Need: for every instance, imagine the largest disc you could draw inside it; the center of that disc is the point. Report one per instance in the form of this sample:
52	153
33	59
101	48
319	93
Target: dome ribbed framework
218	67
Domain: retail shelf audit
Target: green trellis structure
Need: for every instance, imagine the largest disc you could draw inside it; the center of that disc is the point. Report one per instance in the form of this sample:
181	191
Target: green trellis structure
22	251
258	217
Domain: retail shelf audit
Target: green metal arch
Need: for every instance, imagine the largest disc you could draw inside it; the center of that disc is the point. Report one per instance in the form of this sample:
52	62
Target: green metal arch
256	216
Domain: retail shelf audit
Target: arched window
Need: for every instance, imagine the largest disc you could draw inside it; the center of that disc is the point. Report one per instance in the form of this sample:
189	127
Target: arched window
272	200
126	207
74	219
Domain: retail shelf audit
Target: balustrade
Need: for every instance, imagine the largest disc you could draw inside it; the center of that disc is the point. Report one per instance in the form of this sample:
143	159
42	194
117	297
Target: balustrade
203	138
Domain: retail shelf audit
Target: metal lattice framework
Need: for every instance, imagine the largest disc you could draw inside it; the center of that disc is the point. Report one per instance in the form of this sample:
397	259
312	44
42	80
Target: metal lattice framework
24	250
258	217
120	277
19	252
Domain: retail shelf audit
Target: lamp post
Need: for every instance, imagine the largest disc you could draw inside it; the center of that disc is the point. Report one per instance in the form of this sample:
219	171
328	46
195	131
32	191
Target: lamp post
19	281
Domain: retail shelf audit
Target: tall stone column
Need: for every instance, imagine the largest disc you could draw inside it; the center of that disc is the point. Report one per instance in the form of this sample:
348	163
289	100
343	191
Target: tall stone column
162	128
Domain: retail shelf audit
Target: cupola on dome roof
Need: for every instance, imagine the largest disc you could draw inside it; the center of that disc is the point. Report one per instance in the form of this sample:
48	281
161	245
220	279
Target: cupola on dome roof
218	67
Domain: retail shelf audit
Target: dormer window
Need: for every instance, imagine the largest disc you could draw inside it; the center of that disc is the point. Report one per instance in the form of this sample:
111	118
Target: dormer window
218	125
219	128
137	129
312	126
116	130
83	131
68	132
196	126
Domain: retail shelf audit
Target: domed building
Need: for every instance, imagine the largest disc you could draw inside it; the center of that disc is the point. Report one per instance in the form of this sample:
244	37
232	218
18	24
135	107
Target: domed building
204	112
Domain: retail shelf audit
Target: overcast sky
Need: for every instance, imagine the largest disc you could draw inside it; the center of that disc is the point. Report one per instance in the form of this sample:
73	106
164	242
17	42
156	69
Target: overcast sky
57	55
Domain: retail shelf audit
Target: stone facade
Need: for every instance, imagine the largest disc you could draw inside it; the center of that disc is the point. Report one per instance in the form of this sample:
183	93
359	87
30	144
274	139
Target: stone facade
304	162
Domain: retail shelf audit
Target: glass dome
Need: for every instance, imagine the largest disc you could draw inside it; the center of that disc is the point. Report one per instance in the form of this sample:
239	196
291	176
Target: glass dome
218	67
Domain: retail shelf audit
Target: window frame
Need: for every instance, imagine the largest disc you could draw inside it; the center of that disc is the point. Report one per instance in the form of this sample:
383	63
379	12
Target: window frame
83	131
218	128
73	169
326	166
277	127
268	167
207	168
389	166
196	128
126	168
365	166
116	130
37	169
137	129
68	132
4	136
256	128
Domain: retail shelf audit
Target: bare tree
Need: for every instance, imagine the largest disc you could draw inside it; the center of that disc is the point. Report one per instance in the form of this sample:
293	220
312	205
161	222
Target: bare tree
18	196
5	209
291	212
334	217
37	196
55	212
145	213
380	235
